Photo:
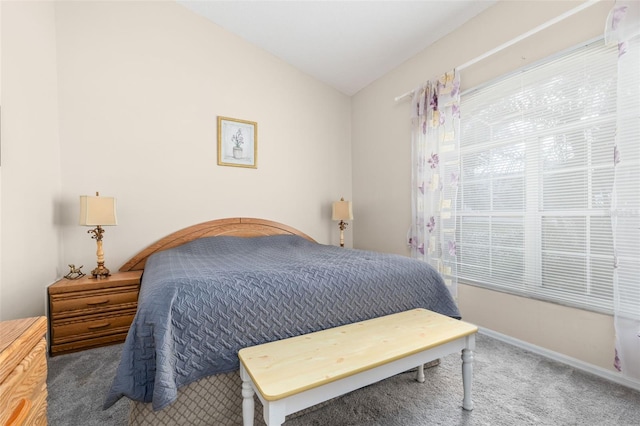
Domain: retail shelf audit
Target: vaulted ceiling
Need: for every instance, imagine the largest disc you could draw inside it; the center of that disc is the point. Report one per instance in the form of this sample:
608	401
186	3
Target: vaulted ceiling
346	44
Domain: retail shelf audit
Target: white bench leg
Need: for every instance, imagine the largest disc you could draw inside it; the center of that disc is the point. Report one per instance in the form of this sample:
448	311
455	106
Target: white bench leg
420	374
274	413
467	376
248	406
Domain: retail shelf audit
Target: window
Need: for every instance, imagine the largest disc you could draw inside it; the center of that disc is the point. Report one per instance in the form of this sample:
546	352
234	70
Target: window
536	155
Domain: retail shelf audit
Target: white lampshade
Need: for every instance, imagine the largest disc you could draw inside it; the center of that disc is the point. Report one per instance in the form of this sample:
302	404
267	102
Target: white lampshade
97	210
342	210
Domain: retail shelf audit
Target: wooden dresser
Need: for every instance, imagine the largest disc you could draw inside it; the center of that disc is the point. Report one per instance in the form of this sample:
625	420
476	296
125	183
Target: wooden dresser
88	312
23	372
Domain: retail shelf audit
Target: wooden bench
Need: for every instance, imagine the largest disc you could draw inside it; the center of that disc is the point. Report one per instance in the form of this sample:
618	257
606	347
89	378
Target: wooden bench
292	374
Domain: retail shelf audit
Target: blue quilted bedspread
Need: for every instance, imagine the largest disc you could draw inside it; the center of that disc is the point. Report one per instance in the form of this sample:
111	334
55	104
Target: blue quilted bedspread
203	301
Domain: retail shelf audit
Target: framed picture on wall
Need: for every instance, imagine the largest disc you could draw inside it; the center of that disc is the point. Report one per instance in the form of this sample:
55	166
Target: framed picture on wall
237	142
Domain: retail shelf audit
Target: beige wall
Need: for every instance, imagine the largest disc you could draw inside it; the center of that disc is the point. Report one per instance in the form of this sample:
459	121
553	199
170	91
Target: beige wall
139	88
381	141
30	171
580	334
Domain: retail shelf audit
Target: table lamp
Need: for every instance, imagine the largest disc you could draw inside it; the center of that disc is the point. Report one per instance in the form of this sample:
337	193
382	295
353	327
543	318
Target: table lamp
98	211
342	211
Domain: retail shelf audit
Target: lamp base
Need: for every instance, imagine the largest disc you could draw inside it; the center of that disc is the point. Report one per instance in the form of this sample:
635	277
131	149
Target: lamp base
100	271
342	225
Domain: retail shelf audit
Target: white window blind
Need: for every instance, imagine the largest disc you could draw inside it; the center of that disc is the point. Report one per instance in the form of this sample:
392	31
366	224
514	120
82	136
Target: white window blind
534	202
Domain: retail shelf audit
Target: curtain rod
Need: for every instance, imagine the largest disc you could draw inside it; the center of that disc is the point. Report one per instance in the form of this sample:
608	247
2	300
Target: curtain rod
515	40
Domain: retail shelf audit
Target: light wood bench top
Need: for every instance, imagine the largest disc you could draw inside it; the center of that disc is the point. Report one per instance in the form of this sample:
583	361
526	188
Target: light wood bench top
286	367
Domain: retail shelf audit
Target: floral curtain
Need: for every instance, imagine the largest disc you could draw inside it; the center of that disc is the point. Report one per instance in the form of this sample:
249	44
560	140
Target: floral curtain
435	124
623	29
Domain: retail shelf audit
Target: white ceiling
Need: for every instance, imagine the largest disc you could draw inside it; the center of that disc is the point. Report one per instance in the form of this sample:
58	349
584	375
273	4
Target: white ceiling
346	44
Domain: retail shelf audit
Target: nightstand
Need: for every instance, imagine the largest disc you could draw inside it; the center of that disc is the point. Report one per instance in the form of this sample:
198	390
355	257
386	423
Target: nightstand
88	312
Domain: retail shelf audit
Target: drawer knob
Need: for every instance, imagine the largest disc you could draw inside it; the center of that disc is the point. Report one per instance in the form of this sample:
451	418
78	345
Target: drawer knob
103	325
100	302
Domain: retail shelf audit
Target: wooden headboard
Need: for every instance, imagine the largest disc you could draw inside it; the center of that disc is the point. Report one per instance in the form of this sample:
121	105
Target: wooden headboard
235	227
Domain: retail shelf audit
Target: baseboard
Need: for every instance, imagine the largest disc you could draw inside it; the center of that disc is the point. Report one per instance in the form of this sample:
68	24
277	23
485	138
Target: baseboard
556	356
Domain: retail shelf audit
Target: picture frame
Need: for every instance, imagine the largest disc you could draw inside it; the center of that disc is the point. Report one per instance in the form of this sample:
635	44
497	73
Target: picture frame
237	142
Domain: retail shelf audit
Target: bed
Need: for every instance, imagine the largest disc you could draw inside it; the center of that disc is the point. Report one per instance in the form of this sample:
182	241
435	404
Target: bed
210	289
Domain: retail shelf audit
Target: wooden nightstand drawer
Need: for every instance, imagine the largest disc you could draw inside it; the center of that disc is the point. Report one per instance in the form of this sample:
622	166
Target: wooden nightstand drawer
98	325
88	312
93	301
